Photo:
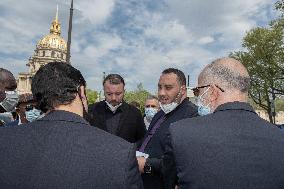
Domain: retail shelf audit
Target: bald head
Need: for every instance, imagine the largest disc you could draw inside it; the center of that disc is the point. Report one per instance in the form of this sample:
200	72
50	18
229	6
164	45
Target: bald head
7	80
228	73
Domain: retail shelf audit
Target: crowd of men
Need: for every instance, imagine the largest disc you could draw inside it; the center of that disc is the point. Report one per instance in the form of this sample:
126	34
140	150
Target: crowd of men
219	142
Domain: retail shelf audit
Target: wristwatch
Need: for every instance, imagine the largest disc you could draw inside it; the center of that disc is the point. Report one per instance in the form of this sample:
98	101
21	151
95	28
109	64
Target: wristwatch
147	167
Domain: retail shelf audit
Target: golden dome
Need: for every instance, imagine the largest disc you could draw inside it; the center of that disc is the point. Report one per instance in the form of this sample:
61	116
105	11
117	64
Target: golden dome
53	40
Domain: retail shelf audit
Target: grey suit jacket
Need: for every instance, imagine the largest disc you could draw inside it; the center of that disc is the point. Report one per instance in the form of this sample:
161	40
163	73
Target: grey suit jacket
62	150
230	148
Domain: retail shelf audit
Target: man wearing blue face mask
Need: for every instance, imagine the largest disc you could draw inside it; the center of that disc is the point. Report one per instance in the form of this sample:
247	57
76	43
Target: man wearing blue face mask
203	107
151	108
32	113
174	106
229	146
26	110
8	95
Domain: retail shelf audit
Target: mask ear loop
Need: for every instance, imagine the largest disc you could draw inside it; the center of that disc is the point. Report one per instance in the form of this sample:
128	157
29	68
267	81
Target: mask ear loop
179	93
203	94
85	113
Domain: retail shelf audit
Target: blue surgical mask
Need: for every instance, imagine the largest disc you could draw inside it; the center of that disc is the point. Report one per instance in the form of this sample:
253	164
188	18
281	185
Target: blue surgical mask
203	109
150	112
32	115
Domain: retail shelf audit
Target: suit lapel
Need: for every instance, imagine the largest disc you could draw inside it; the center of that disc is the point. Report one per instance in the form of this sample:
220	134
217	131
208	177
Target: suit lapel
155	119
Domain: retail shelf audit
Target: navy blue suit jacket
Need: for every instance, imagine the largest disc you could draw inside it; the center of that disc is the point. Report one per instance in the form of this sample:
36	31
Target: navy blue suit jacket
230	148
62	150
156	146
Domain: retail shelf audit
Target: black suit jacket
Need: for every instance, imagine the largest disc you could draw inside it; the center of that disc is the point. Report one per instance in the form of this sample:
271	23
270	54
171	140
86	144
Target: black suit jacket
156	146
62	150
131	125
230	148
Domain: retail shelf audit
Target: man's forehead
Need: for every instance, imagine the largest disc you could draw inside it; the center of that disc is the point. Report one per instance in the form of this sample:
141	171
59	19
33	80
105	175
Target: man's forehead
10	84
151	101
168	79
113	87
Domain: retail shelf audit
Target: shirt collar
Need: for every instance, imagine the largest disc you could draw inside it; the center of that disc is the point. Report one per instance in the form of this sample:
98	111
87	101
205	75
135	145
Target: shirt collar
235	106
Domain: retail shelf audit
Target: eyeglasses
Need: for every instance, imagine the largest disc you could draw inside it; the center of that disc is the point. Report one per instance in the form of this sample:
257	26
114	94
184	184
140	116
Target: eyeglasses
196	90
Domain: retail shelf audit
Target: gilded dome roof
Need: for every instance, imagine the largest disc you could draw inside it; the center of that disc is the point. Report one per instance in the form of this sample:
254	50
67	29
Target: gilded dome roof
53	40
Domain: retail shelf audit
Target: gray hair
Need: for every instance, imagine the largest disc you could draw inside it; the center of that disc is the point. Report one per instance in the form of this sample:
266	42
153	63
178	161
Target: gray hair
225	77
152	97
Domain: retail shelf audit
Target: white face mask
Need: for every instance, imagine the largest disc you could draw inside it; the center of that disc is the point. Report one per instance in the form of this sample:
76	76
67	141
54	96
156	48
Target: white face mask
11	100
167	108
113	108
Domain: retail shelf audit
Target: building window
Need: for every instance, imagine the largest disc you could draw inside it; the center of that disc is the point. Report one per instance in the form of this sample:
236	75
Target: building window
43	53
52	54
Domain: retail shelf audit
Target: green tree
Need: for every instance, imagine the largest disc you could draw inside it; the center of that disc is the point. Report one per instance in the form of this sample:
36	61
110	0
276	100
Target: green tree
279	104
279	5
139	95
92	96
264	60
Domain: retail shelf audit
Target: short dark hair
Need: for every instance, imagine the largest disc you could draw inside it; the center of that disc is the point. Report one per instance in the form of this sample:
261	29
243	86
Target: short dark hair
114	79
180	75
7	80
55	84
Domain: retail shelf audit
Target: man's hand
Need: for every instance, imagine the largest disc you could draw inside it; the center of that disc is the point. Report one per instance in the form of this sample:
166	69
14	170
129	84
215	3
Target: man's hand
141	163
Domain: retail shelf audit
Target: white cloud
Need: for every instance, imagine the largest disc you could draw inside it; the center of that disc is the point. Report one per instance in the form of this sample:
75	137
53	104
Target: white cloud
205	40
132	38
102	46
96	11
218	17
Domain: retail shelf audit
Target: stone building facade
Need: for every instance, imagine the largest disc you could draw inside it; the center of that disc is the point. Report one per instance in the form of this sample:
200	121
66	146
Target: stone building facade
52	47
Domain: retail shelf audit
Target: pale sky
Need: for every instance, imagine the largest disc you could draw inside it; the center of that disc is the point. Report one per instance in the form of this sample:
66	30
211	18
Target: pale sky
137	39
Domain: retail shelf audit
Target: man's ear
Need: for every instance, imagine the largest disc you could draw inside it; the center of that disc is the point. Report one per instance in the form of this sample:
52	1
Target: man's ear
214	92
83	93
183	90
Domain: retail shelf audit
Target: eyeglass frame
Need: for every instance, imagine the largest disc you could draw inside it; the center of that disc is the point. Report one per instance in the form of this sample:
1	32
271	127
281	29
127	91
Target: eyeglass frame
196	90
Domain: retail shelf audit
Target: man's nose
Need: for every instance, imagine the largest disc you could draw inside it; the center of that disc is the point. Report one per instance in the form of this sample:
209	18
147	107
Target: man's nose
113	97
161	92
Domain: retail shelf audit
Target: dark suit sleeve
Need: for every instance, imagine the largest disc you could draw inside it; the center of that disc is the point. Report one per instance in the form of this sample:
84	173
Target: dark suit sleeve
141	128
133	177
168	165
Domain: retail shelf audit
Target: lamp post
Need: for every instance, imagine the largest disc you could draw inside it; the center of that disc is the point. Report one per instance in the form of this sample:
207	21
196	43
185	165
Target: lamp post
273	111
69	34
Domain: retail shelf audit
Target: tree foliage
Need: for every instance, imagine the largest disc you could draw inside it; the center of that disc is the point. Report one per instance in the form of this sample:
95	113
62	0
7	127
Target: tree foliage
92	96
264	59
139	95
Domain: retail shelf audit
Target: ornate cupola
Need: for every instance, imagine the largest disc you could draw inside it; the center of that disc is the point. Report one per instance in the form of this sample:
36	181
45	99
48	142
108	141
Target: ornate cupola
51	47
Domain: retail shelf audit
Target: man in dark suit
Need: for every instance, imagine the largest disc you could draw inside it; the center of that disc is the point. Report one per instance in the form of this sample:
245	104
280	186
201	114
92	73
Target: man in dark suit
230	146
115	115
174	106
62	150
